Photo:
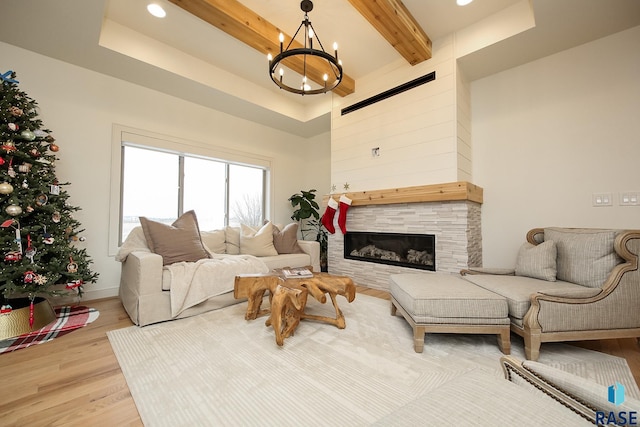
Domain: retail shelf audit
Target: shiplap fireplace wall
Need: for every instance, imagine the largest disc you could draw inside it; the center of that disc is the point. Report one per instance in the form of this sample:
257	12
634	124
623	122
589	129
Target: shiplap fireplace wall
452	212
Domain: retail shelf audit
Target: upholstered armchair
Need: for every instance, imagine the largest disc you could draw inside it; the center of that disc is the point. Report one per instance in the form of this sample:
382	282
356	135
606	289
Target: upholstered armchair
570	285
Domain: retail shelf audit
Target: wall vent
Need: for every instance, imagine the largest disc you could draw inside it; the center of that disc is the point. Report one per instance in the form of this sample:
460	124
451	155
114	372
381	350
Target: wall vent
389	93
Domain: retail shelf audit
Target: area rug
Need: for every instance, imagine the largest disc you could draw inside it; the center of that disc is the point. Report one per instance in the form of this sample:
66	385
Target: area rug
218	369
68	319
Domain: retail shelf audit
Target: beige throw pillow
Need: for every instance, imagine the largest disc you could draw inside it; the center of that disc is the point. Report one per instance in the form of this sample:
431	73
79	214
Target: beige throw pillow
177	242
214	241
537	261
257	243
286	240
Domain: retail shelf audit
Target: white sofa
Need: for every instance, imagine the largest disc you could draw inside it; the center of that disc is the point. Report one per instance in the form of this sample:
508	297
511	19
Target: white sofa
145	282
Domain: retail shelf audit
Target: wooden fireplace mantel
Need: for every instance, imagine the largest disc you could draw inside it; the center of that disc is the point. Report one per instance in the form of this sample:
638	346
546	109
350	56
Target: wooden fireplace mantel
452	191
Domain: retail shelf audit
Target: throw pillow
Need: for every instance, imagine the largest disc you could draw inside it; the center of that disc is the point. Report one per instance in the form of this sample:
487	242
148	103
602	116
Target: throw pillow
537	261
177	242
232	240
214	241
286	240
585	256
257	243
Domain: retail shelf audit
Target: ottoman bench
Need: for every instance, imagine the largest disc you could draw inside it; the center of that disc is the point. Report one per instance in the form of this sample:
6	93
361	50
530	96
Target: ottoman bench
446	303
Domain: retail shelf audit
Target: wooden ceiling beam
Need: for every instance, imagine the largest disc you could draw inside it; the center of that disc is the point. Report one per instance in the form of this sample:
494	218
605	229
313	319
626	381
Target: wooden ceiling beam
240	22
396	24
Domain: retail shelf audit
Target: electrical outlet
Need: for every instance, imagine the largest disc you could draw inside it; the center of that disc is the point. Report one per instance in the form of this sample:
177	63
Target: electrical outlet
602	199
630	198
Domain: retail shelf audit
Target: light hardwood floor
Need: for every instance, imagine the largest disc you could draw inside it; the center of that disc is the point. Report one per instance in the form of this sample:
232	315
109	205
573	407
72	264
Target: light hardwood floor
75	380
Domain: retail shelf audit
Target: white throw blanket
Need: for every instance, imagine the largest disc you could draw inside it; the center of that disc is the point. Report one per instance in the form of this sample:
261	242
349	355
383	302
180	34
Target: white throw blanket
195	282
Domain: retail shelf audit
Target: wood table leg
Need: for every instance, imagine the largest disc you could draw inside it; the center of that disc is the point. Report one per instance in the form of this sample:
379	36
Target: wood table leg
286	309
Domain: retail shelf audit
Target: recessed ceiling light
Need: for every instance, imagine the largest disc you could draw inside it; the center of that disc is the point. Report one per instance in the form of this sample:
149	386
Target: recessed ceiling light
463	2
156	10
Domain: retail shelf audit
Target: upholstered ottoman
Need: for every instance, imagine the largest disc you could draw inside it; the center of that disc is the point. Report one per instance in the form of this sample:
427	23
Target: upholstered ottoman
446	303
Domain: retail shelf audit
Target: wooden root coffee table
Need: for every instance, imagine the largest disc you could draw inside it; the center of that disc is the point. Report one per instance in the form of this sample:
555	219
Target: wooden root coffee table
288	298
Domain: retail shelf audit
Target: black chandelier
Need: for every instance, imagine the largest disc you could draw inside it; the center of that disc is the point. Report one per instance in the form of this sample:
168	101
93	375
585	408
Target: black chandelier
333	75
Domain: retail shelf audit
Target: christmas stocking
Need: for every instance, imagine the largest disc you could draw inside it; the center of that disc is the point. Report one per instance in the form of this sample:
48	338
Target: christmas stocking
345	202
327	216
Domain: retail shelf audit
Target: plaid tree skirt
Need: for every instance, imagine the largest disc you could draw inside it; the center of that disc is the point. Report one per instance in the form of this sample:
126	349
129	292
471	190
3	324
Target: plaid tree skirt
68	319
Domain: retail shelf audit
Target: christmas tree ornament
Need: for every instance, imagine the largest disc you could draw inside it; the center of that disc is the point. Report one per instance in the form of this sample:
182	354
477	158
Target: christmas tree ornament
54	148
25	167
13	210
27	135
11	172
2	162
47	237
29	276
329	214
31	251
25	184
55	217
40	133
72	267
13	256
34	153
29	209
15	111
6	188
74	284
345	202
42	200
5	309
14	127
8	146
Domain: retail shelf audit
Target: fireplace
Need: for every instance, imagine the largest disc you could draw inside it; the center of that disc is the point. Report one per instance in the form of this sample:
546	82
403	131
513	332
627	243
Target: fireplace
451	212
400	249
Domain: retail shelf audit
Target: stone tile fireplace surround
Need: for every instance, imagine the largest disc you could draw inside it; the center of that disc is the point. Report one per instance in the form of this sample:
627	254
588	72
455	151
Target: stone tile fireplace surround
452	212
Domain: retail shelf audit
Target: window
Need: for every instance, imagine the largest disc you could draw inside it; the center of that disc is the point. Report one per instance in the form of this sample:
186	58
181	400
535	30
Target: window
161	184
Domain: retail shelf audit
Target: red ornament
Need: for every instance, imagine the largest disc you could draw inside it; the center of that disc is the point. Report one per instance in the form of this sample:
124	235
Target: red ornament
54	148
74	284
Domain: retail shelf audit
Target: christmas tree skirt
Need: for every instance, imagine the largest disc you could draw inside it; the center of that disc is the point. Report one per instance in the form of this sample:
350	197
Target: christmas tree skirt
68	319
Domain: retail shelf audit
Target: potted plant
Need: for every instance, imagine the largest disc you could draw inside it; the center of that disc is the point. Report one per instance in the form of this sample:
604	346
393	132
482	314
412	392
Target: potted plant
308	216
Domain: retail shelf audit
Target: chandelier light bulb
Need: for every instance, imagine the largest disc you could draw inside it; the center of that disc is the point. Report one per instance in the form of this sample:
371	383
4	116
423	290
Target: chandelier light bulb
269	57
310	32
325	78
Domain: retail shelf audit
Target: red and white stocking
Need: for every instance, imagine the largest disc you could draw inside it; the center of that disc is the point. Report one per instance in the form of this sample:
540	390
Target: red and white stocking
345	202
329	213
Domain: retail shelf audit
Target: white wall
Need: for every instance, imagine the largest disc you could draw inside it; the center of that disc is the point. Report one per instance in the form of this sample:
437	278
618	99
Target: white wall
415	130
80	107
549	134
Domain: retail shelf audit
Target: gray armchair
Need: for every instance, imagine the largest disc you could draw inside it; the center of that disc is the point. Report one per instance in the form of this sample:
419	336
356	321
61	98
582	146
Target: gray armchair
570	285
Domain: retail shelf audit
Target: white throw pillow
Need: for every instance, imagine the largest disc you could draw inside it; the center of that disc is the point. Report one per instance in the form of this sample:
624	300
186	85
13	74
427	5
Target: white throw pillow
257	243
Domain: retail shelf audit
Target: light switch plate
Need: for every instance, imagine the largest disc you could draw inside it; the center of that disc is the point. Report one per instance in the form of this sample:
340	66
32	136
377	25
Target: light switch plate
630	198
602	199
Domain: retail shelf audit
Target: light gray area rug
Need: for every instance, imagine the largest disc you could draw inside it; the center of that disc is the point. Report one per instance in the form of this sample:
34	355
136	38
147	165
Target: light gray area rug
218	369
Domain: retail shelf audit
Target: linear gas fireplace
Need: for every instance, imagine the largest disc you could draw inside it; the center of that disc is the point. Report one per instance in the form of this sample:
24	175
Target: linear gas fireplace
401	249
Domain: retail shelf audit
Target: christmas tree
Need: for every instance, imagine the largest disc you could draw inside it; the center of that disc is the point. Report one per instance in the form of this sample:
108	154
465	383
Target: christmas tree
37	230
